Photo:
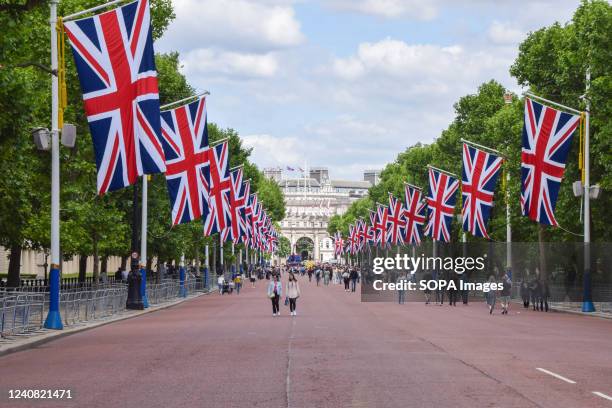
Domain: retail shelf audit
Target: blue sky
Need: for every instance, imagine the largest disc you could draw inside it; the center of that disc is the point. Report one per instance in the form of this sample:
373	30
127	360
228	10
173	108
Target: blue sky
346	84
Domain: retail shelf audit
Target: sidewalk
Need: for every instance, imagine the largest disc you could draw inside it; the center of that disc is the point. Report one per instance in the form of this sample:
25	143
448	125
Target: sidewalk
602	310
24	341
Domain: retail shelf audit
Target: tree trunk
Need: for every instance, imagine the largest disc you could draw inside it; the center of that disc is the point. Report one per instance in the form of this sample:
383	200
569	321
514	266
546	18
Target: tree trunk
14	269
104	265
82	267
124	262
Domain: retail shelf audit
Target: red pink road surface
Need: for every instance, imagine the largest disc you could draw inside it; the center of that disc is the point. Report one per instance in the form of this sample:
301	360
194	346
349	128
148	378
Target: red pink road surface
228	351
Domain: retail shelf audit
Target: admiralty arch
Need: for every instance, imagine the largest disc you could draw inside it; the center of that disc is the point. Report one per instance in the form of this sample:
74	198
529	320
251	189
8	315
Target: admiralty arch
311	200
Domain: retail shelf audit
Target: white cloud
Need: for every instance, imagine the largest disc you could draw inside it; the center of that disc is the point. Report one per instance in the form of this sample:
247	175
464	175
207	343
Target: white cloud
245	25
209	63
271	151
418	9
400	71
505	33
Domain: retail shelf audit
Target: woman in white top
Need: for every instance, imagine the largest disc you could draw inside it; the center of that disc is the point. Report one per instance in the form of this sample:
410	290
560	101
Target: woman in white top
293	293
220	282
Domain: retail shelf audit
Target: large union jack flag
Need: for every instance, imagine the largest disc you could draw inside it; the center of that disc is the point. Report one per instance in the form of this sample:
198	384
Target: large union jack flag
353	240
114	58
479	177
547	137
185	142
238	198
397	221
414	212
218	215
440	204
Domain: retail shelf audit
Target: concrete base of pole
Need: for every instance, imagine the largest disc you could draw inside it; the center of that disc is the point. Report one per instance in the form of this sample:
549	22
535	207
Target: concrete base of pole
54	319
143	287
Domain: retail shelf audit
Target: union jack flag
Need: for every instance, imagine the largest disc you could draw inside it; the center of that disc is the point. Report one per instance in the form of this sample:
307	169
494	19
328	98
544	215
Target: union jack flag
353	240
255	212
479	177
547	137
414	213
237	228
248	217
381	227
114	58
338	244
440	204
218	215
397	221
185	142
361	234
371	232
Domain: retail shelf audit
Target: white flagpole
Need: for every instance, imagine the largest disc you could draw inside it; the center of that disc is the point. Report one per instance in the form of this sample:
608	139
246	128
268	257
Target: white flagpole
143	241
587	302
54	319
508	226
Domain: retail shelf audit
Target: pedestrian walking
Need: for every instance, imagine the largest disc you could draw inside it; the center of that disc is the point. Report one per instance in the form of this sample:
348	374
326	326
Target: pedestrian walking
525	289
220	283
326	274
238	283
505	293
353	276
318	275
346	277
293	293
401	293
253	277
275	291
491	295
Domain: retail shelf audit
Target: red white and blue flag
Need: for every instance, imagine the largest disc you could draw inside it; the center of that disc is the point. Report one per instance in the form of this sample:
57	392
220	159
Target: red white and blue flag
185	142
248	217
338	244
382	226
547	138
236	230
397	221
114	58
479	177
415	214
440	204
371	232
353	240
218	215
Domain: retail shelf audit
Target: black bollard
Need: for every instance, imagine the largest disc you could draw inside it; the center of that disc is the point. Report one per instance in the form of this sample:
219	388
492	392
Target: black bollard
134	300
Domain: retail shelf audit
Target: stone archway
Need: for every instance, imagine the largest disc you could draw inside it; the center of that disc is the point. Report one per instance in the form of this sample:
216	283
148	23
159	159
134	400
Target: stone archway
305	247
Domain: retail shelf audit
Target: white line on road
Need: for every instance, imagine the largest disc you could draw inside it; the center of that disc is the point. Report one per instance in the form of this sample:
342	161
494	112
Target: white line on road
567	380
602	395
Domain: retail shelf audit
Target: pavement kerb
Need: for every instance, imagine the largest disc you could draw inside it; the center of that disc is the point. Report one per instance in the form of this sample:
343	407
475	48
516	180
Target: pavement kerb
57	334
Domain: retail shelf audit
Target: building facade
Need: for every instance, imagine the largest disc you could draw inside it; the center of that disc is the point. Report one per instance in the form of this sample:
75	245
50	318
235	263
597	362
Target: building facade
310	202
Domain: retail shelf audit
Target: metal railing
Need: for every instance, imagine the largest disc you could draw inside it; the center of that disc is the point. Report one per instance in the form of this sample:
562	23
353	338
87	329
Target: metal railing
23	310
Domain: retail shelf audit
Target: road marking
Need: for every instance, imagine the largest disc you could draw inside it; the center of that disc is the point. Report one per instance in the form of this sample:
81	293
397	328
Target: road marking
602	395
567	380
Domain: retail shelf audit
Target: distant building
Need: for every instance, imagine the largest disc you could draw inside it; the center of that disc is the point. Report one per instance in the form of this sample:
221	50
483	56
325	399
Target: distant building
321	174
311	202
372	176
273	173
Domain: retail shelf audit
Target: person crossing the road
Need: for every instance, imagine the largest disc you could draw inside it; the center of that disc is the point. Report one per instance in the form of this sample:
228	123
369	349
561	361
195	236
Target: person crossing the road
275	290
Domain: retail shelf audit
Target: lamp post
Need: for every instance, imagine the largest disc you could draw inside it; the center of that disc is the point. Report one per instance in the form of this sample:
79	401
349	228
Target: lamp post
587	301
54	320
